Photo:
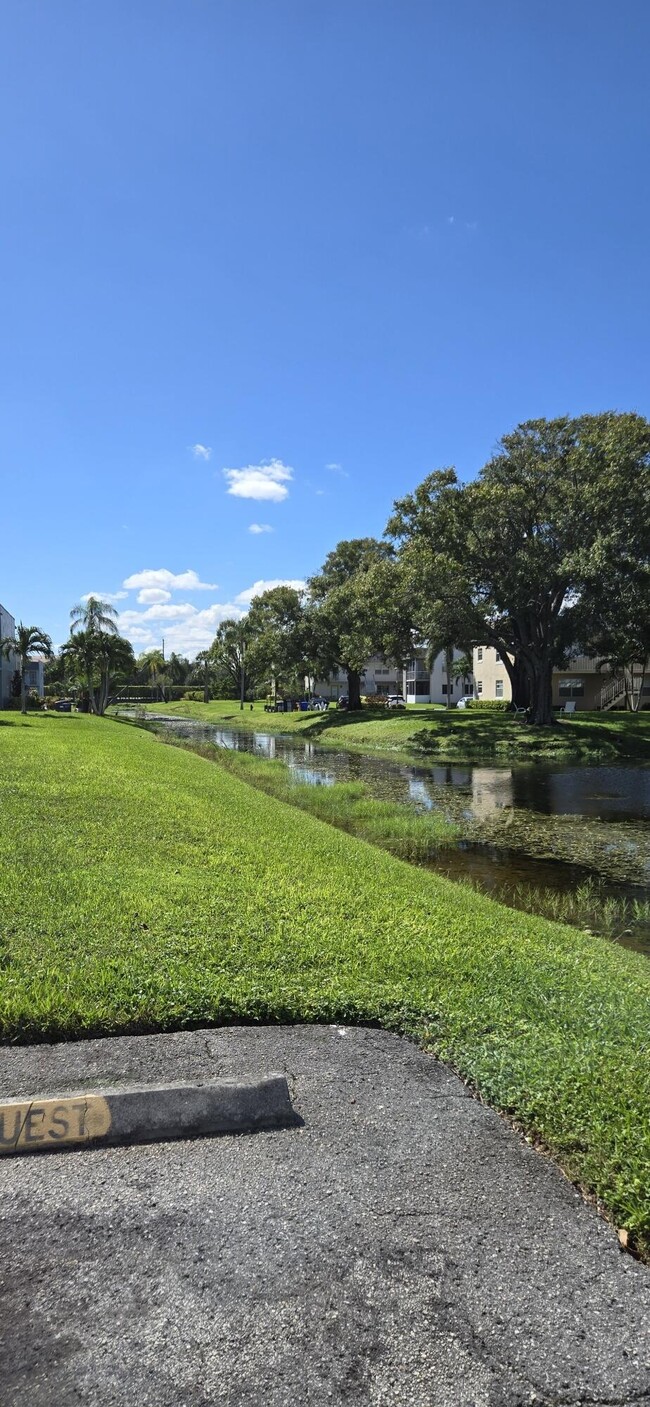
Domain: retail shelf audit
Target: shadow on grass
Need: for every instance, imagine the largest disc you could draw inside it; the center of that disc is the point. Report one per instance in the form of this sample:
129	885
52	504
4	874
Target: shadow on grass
340	718
472	734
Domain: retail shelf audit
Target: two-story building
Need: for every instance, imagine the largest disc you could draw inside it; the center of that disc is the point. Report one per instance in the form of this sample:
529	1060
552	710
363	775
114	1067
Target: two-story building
8	665
585	681
422	684
416	682
377	677
34	672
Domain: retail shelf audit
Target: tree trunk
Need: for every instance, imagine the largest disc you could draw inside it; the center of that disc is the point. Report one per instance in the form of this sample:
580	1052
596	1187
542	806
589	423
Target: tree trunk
103	694
206	686
23	688
449	665
519	685
638	694
354	689
540	675
92	707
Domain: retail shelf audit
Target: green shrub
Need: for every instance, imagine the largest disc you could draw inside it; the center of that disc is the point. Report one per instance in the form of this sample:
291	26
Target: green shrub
494	705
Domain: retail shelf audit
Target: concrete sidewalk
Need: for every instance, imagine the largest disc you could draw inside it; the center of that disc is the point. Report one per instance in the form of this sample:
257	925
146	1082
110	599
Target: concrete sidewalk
403	1247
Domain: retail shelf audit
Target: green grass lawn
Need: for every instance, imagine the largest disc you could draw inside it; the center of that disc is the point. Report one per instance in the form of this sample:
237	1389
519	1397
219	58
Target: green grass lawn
403	830
455	733
145	889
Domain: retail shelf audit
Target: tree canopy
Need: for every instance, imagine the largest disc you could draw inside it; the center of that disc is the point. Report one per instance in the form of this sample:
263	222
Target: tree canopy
557	517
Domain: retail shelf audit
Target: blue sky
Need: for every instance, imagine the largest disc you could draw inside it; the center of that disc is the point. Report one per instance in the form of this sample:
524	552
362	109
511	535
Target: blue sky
269	262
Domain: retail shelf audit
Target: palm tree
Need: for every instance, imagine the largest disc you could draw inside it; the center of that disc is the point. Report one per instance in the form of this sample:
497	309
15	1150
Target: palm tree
90	619
27	640
94	615
114	656
156	667
80	655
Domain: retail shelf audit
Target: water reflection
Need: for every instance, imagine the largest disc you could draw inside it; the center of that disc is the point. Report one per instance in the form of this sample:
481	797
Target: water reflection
606	793
521	816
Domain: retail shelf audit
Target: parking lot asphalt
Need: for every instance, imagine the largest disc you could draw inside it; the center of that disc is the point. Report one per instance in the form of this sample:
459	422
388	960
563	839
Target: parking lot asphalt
403	1246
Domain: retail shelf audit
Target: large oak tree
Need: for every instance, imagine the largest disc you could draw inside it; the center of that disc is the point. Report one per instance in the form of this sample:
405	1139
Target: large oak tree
558	517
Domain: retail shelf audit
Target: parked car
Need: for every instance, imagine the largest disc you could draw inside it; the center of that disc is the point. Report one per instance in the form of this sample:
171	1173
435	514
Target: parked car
466	699
63	706
318	705
395	701
343	701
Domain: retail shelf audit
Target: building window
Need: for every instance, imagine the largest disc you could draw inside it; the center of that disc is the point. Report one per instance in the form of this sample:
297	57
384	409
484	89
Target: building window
451	689
498	688
479	686
421	686
571	689
479	653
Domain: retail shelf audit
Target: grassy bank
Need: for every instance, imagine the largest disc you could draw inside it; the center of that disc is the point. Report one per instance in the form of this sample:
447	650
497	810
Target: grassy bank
417	834
455	734
404	831
145	889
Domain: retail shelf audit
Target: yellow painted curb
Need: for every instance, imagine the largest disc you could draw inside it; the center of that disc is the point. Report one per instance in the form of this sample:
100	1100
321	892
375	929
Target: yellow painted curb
29	1125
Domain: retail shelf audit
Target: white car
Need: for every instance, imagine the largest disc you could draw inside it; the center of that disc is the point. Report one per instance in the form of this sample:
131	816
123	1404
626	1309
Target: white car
466	699
395	701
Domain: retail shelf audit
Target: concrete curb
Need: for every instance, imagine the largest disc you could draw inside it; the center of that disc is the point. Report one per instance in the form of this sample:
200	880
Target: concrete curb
145	1113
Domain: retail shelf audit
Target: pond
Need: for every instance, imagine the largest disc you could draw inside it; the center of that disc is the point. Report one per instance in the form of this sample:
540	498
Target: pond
526	828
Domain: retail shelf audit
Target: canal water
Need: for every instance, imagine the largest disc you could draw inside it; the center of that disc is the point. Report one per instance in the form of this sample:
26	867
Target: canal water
527	827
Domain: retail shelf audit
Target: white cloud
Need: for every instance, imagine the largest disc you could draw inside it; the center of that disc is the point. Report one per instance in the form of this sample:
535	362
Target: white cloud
202	451
264	482
260	528
163	580
105	595
153	596
338	469
185	628
244	598
161	611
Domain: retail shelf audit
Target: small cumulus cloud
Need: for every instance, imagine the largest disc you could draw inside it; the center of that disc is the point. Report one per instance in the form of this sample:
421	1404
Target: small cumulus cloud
105	595
202	451
244	598
153	596
260	528
264	482
338	469
160	579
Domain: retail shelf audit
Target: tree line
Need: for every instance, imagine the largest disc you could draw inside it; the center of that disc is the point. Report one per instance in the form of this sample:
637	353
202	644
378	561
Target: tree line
544	554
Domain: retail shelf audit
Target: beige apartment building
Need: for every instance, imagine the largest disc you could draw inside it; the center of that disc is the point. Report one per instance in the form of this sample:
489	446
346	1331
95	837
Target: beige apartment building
582	682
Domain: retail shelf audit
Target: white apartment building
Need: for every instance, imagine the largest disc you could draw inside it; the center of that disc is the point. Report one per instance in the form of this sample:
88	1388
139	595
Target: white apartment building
416	683
423	685
377	677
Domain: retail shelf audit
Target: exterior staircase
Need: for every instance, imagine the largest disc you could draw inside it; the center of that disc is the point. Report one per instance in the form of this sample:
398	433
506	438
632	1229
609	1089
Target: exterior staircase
612	694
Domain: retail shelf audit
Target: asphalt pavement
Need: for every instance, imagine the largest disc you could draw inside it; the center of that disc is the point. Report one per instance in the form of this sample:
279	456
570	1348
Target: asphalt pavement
402	1246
